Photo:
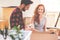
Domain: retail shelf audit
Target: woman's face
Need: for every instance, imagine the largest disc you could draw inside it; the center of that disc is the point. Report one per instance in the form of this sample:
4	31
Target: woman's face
40	10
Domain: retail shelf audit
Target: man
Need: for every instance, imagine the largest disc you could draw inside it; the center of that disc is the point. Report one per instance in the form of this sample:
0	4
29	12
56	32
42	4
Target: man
16	17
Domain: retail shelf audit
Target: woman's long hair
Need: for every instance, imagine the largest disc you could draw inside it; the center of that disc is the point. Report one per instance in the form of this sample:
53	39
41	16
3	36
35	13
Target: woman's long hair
36	14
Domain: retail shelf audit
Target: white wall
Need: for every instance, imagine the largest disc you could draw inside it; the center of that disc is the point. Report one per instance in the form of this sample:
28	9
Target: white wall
9	2
51	5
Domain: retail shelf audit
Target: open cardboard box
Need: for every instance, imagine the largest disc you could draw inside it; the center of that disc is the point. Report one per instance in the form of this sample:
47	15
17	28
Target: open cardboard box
43	36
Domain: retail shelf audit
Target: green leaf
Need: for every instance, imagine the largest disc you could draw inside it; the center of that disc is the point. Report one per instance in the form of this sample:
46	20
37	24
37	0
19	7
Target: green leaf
15	28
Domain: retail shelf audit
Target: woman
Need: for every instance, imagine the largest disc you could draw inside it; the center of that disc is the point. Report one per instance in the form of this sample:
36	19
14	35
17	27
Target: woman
38	20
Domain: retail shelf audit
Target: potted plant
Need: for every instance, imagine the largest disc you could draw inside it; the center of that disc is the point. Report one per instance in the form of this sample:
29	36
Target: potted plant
17	35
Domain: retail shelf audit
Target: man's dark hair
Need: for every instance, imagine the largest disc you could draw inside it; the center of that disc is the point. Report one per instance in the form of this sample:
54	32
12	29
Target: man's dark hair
26	2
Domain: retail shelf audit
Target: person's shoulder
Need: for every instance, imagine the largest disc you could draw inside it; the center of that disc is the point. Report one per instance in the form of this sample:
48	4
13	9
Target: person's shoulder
13	12
16	10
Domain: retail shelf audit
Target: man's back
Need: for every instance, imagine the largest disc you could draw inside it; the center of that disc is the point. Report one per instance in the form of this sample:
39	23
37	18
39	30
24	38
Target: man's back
16	18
